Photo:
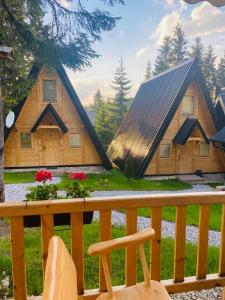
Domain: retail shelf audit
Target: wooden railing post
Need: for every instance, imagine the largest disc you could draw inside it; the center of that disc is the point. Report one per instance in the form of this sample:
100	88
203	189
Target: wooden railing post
77	248
155	259
47	231
203	235
105	233
221	270
131	256
180	239
18	258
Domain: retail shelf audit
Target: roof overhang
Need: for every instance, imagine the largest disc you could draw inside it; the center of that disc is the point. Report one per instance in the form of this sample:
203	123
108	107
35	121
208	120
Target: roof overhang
184	133
49	109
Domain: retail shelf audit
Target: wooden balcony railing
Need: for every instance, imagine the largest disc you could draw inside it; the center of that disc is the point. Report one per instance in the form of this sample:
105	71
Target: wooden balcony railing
76	207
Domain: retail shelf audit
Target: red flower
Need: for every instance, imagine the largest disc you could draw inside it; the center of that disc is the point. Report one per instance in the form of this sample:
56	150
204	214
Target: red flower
78	176
43	176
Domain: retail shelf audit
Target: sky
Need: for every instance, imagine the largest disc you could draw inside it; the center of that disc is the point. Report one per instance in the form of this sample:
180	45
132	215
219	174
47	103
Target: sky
138	34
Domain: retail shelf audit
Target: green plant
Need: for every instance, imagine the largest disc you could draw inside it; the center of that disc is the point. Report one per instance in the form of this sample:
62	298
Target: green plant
42	192
129	168
75	190
4	286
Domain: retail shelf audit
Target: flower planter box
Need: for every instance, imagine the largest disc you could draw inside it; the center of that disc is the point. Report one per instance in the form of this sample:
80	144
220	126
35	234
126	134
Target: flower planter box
59	219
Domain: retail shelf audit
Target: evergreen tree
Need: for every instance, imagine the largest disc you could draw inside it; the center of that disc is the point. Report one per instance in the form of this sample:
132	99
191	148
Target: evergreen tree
98	100
179	46
209	69
148	73
220	76
163	60
197	50
122	86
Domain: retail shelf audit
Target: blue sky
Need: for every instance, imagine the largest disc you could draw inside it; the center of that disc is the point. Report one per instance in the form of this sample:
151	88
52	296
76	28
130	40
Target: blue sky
137	36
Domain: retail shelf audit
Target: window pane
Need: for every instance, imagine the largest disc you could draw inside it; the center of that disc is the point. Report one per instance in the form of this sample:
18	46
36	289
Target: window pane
25	140
74	140
165	151
188	105
204	150
49	90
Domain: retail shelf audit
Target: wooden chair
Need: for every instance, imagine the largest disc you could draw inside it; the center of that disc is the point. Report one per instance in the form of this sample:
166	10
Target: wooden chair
149	289
60	274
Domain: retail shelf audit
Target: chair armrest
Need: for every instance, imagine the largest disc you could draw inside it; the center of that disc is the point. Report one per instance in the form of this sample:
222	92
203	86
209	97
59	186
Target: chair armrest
123	242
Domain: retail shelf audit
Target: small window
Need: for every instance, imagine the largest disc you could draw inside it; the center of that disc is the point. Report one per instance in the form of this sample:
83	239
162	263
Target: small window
165	151
204	150
74	140
188	105
49	90
25	140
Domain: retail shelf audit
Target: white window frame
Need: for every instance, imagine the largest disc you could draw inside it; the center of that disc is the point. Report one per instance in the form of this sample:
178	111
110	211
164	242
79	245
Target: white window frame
70	139
165	144
183	103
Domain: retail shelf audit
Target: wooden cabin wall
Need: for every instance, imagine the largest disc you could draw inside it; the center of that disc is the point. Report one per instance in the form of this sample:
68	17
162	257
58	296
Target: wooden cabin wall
86	154
181	160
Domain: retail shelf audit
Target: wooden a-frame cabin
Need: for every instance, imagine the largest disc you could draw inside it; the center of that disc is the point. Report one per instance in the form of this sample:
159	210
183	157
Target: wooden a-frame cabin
168	127
51	127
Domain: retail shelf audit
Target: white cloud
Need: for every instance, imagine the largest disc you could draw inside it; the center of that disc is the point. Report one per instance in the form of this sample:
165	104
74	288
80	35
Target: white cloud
142	51
169	2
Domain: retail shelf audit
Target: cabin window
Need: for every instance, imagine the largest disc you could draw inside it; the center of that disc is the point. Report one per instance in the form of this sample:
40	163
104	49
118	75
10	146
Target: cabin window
204	150
49	90
165	151
188	105
74	140
25	141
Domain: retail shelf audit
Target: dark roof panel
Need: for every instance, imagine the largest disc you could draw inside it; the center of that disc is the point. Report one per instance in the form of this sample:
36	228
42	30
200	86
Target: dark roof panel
219	136
220	108
150	114
186	130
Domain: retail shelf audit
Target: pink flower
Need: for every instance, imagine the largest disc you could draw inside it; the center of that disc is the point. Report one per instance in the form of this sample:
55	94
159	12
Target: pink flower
43	176
78	176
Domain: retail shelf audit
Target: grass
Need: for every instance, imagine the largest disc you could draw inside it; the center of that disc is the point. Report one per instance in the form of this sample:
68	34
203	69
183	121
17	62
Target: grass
116	180
19	177
34	268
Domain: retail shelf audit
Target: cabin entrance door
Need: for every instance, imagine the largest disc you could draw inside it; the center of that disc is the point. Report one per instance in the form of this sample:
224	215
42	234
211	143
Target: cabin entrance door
50	147
186	155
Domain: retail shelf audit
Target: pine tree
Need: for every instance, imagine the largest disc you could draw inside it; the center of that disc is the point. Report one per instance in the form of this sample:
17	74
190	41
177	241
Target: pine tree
179	46
163	60
209	69
220	74
197	50
122	86
148	73
98	100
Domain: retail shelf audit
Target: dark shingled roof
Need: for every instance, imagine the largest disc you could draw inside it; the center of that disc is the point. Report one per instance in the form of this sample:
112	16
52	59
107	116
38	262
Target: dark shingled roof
50	109
219	136
186	130
151	112
220	108
78	106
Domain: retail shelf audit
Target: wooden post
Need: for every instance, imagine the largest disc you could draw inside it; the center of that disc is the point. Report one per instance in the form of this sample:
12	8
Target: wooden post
47	231
2	189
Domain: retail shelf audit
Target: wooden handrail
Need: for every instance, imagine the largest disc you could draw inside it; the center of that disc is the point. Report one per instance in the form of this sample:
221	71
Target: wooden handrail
105	205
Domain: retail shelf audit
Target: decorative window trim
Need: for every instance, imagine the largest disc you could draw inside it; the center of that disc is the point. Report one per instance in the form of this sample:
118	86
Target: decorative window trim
170	150
43	85
204	156
70	136
182	106
31	139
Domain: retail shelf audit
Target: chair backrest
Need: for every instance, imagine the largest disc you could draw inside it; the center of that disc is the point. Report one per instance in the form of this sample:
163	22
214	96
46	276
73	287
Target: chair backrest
60	274
136	239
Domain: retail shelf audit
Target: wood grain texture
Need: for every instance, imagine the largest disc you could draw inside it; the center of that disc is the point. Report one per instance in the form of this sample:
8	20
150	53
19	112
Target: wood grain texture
155	256
47	231
221	270
180	239
77	248
203	234
18	258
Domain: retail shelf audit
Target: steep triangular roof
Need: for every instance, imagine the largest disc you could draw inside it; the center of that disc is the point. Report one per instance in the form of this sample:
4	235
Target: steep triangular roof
220	108
151	113
49	109
186	130
78	106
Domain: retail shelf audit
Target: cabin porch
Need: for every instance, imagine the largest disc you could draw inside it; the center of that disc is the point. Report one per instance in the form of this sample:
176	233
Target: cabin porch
105	206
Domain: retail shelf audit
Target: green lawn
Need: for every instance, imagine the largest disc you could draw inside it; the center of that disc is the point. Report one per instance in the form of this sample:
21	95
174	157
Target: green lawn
33	258
19	177
115	180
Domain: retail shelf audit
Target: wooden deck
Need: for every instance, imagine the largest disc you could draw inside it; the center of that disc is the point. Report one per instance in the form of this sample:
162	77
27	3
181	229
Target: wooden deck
76	207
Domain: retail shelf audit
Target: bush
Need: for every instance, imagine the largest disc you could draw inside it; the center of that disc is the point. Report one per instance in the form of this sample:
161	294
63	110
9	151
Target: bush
43	192
75	190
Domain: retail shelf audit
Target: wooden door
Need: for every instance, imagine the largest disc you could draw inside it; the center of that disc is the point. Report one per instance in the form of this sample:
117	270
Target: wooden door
50	147
186	155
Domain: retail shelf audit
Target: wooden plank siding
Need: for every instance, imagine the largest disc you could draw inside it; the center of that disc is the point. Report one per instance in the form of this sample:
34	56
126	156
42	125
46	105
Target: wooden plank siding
186	158
15	156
